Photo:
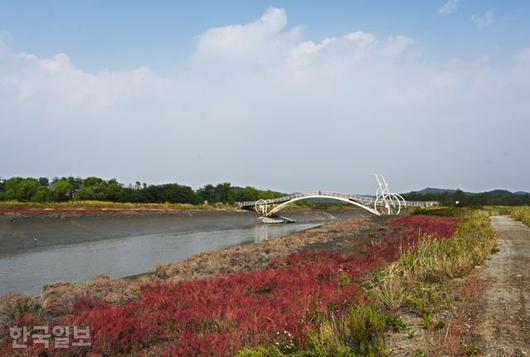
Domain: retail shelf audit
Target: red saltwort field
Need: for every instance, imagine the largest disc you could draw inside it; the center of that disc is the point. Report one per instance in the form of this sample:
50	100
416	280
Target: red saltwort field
221	315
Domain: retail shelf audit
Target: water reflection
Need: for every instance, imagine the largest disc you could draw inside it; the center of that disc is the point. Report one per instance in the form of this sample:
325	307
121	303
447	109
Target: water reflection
263	232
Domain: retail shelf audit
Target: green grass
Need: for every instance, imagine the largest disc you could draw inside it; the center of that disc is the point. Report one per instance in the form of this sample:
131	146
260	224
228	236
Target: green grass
415	278
105	205
443	211
472	351
519	213
357	333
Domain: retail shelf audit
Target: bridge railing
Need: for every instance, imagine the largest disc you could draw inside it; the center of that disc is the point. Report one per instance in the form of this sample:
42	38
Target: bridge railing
365	199
300	194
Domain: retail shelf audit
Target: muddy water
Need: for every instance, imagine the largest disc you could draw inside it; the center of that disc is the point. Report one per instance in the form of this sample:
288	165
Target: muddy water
39	251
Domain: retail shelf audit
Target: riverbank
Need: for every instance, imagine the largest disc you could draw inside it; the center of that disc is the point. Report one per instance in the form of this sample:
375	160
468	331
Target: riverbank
281	292
17	209
36	251
241	258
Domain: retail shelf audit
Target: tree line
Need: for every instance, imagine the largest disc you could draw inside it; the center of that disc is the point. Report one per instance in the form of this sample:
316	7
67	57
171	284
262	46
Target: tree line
29	189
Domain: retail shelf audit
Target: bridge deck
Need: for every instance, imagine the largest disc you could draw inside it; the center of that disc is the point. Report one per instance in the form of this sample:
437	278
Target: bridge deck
363	199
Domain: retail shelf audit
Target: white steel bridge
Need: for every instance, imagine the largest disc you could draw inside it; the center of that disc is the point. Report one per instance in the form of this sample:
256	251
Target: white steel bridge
383	202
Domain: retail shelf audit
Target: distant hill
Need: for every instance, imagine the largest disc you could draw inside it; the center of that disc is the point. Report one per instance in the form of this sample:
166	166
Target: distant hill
451	196
432	190
498	192
435	191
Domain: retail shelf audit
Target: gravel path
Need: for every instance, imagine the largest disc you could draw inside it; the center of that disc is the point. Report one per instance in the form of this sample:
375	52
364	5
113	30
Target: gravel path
504	327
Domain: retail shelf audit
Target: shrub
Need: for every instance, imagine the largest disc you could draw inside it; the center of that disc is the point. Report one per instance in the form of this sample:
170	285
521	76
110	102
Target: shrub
14	306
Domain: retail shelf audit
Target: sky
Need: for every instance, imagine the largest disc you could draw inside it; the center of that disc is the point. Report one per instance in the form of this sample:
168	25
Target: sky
288	95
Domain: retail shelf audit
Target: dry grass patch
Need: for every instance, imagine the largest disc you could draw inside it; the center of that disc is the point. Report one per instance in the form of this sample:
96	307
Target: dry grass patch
521	214
255	256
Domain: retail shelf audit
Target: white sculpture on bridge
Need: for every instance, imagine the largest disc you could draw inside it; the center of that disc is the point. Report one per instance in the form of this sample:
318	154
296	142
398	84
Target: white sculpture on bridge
386	202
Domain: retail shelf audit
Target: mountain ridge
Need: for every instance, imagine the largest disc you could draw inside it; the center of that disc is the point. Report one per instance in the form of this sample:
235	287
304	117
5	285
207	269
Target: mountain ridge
436	190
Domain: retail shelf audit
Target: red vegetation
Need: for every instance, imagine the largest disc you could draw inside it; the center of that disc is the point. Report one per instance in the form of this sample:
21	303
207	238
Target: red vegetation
443	227
221	315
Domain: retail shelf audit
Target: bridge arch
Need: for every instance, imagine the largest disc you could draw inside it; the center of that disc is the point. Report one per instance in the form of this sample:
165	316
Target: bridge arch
342	199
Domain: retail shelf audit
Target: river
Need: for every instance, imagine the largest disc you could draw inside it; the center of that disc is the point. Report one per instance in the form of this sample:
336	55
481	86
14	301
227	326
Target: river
38	251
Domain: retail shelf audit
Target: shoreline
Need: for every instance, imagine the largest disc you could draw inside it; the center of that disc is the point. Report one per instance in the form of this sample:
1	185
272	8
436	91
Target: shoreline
70	209
36	243
153	275
241	258
24	234
104	211
351	234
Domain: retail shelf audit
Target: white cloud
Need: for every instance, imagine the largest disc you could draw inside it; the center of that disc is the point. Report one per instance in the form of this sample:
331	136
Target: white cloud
344	51
450	7
261	106
485	19
56	89
250	43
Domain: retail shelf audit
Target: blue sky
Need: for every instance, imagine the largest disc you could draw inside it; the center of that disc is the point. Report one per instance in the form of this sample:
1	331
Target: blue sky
119	34
192	92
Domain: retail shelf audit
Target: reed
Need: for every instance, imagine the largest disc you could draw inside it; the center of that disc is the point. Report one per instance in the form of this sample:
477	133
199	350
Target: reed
433	261
521	214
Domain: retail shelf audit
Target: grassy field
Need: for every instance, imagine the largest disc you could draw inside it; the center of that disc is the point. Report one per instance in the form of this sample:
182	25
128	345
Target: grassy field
106	205
519	213
409	280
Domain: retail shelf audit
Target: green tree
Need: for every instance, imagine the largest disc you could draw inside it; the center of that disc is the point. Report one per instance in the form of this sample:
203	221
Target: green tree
249	193
85	194
75	182
224	192
92	181
3	195
61	191
112	190
25	189
42	195
44	181
206	194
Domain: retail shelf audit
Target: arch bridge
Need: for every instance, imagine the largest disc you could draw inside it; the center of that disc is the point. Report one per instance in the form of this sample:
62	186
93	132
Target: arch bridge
383	203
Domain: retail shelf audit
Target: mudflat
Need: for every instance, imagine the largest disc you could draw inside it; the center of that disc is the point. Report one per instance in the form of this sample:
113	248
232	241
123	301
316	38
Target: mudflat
22	234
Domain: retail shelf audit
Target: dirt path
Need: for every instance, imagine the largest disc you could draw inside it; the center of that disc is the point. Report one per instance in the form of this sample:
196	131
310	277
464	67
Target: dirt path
504	322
